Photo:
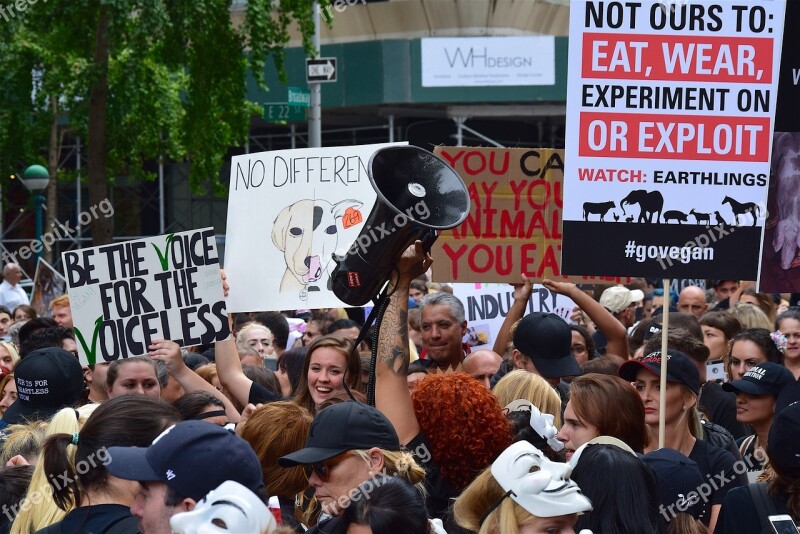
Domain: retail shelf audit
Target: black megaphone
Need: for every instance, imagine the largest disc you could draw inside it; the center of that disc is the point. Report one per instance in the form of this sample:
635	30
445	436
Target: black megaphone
419	194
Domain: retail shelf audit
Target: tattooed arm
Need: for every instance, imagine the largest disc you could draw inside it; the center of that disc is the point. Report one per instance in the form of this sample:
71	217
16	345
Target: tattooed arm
392	396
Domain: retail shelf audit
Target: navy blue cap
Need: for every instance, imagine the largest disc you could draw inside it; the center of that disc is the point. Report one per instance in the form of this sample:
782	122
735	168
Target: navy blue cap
789	396
766	378
680	369
783	447
678	479
192	458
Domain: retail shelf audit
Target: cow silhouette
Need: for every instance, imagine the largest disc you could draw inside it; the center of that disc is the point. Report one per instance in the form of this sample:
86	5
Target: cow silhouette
675	215
650	204
701	217
597	208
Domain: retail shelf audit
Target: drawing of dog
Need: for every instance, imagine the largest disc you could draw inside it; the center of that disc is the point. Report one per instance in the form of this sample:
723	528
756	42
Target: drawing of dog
306	232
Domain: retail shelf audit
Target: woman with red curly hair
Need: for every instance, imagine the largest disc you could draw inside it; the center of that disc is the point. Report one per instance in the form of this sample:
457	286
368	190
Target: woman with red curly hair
453	425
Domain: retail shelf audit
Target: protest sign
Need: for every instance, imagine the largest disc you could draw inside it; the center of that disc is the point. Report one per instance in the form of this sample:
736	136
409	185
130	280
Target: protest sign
124	296
289	211
669	121
47	285
486	307
514	224
780	261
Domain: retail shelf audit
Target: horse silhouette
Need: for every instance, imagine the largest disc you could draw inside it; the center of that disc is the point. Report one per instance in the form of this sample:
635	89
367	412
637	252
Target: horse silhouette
742	208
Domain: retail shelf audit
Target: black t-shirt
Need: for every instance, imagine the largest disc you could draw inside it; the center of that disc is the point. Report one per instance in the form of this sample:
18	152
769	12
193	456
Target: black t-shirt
439	491
261	395
97	519
717	467
720	406
739	514
332	525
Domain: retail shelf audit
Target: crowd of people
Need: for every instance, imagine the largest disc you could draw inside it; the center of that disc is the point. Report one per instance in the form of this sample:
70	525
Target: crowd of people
553	430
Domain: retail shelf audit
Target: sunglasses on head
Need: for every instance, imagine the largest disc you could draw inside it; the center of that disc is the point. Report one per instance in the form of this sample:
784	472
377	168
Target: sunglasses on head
323	468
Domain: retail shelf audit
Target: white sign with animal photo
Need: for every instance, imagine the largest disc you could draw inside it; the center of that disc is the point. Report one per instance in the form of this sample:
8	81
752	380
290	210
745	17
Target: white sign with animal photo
670	115
486	307
289	211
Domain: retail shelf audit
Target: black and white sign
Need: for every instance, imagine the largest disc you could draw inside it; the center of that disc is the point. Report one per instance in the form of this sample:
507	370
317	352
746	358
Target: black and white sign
321	70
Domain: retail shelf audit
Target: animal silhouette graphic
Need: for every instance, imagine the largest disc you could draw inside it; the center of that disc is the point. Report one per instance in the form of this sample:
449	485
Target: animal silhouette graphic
743	209
616	217
597	208
650	204
629	219
675	215
718	219
701	217
306	233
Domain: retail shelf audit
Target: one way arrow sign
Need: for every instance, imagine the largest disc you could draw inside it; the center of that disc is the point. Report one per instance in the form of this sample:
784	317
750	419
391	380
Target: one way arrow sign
321	70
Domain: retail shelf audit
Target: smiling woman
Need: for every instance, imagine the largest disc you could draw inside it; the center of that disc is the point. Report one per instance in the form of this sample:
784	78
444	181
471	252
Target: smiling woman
330	363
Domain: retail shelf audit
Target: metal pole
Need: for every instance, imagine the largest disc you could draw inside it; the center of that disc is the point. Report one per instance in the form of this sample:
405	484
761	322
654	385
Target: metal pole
38	199
78	227
662	397
293	128
391	128
315	110
459	131
161	225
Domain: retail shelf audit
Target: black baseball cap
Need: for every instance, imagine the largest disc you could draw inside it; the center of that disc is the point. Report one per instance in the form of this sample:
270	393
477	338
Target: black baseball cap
47	380
783	447
546	339
678	479
766	378
192	458
344	427
680	369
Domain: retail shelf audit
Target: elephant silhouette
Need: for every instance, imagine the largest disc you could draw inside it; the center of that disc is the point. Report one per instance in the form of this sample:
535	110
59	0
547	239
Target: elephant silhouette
651	203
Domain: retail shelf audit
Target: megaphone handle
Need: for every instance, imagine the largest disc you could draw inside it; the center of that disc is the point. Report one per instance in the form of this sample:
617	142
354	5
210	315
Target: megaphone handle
429	239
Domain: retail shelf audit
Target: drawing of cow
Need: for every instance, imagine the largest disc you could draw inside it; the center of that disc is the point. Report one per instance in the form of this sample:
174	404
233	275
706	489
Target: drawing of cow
597	208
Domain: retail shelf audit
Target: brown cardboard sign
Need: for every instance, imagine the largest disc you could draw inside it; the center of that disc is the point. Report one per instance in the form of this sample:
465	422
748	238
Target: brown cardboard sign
514	224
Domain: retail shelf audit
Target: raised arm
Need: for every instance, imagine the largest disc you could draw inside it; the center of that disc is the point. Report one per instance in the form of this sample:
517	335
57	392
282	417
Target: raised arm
522	294
392	396
615	331
229	371
170	353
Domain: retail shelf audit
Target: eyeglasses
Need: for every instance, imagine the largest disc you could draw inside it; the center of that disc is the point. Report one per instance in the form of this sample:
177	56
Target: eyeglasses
323	468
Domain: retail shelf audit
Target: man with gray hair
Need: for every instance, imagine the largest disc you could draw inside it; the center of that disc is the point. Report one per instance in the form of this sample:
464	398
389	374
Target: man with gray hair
443	327
11	295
